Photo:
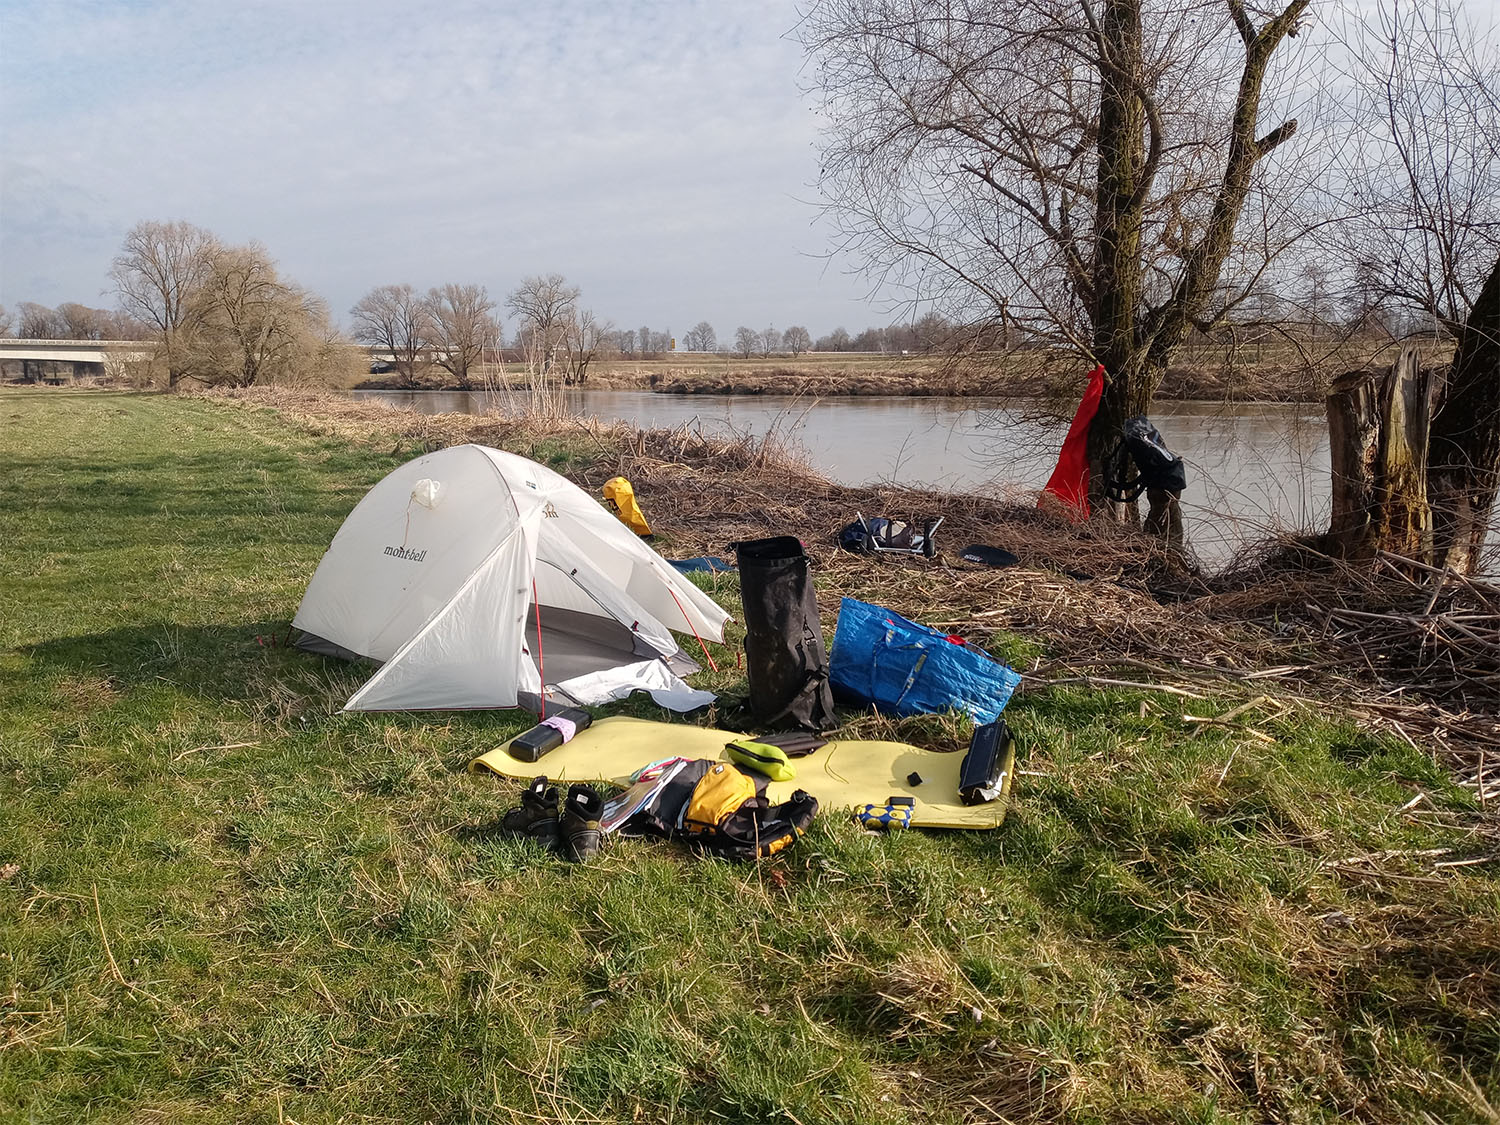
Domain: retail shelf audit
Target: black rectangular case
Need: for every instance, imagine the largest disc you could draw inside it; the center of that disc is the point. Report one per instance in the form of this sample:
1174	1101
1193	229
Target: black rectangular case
532	744
981	776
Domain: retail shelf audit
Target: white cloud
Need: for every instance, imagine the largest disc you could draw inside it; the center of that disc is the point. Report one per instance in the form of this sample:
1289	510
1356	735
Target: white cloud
653	151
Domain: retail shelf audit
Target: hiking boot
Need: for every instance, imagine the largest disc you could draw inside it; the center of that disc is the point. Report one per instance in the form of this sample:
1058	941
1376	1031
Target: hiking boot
580	823
536	818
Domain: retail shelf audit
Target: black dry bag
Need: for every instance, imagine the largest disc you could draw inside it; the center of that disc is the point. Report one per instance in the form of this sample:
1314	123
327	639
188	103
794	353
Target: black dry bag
1156	465
785	660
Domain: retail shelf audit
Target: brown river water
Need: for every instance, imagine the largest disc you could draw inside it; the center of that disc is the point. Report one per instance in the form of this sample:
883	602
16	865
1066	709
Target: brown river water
1252	467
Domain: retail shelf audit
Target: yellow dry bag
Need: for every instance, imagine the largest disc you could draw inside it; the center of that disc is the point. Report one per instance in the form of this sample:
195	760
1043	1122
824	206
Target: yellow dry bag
621	497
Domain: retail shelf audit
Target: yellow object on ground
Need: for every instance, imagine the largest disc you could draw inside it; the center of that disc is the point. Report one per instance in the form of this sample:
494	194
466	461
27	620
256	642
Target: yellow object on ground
621	497
841	775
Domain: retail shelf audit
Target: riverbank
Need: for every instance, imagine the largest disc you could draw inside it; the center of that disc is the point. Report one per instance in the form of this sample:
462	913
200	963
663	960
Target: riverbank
1271	375
1234	887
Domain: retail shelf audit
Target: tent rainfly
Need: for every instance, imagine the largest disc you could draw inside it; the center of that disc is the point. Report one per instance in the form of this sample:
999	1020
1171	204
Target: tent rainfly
475	576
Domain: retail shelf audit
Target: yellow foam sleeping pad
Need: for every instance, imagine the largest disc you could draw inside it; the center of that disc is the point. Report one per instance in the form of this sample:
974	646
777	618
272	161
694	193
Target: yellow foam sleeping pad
620	496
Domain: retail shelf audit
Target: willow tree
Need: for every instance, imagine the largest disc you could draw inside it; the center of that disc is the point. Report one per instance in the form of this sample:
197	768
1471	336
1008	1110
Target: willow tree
1086	172
1424	239
251	326
462	323
158	274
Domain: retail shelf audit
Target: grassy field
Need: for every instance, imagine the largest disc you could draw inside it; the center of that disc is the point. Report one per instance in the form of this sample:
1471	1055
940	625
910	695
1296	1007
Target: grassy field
222	900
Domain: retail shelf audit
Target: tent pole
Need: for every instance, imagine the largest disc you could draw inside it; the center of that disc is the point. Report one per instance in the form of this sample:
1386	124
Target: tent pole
685	617
541	657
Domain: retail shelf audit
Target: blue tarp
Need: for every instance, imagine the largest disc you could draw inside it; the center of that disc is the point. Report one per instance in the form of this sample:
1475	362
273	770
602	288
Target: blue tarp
881	659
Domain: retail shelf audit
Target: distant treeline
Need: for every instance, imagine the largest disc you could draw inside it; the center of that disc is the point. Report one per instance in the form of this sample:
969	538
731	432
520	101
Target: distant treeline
69	321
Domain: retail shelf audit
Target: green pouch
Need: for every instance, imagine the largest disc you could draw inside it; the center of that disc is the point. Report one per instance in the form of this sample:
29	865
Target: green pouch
762	758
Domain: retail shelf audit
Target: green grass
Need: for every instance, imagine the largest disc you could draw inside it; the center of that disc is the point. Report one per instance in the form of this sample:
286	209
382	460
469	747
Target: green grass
233	903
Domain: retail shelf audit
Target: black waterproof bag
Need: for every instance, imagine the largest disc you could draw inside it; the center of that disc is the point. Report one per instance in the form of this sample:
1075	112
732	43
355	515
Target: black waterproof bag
985	772
785	660
1156	466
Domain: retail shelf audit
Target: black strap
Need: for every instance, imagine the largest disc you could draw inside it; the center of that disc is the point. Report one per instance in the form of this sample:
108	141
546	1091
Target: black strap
1117	485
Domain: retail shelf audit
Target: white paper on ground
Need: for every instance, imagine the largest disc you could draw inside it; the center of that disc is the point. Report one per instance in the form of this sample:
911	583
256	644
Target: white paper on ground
666	686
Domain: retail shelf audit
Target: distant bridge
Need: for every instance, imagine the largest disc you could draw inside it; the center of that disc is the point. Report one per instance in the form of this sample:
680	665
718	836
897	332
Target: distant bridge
74	351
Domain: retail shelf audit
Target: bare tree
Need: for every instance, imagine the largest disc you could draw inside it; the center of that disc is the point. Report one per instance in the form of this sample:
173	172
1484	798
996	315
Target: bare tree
461	321
746	341
79	322
625	341
7	322
796	339
1432	229
394	320
543	307
835	341
38	322
1078	168
770	341
1424	240
583	337
156	274
931	333
701	338
1424	162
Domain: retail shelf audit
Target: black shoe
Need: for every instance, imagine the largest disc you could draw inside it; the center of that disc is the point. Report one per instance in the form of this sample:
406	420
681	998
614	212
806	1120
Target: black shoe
536	818
580	823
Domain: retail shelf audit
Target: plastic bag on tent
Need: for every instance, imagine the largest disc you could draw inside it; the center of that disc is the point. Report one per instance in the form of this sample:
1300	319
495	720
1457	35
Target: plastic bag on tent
427	492
899	667
619	494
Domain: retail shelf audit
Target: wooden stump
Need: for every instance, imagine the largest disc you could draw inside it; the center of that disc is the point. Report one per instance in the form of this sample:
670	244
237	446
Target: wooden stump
1378	433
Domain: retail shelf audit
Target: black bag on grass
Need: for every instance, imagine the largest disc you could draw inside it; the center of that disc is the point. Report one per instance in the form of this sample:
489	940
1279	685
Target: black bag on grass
785	660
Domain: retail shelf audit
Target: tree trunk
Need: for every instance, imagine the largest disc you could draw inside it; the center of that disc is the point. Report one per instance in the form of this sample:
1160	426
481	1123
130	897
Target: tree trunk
1378	447
1354	444
1404	525
1164	518
1125	396
1117	244
1465	455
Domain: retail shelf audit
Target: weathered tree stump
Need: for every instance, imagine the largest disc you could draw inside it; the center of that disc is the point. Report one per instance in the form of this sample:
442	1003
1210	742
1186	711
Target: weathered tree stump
1378	433
1354	446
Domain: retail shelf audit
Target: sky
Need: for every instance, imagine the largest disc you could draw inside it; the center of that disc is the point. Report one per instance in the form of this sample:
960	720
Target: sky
658	153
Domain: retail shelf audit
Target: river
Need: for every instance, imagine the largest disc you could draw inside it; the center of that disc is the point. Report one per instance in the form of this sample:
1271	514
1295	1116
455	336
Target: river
1251	467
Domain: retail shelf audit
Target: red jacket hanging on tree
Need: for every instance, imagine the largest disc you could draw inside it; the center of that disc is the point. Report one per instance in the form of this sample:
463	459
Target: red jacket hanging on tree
1070	480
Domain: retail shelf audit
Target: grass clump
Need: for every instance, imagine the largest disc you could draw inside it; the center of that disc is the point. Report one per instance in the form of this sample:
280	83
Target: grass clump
221	899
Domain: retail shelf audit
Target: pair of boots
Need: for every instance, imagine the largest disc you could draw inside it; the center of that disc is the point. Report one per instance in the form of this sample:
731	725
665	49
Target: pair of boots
573	830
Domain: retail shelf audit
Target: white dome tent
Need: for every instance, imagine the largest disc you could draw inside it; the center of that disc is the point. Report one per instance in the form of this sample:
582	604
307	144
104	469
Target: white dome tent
471	574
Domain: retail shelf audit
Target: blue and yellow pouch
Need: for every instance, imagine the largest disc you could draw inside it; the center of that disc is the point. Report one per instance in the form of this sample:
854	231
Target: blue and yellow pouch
895	813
